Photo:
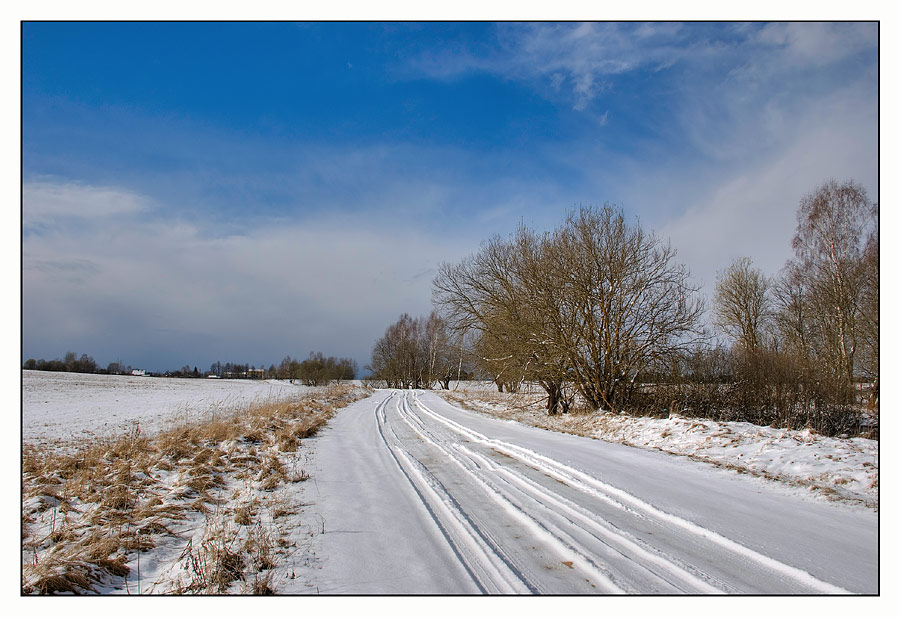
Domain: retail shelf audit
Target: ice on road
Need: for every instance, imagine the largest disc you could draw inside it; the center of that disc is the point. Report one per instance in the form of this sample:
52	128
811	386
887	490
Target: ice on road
415	496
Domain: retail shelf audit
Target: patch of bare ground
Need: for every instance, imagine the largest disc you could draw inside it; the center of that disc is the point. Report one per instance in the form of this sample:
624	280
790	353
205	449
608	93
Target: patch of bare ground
203	489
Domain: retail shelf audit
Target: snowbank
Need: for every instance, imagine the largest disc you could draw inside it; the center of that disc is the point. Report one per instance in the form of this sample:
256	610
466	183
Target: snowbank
838	469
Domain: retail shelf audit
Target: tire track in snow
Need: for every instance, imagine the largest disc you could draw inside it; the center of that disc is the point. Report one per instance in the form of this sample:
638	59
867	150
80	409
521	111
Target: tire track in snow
619	541
559	519
629	503
482	560
563	544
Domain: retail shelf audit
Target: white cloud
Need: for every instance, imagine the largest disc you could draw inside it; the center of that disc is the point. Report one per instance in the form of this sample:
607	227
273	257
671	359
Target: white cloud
816	44
550	55
49	202
751	210
154	287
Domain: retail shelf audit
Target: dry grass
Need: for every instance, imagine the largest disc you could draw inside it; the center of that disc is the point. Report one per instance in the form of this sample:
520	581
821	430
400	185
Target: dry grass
88	508
215	563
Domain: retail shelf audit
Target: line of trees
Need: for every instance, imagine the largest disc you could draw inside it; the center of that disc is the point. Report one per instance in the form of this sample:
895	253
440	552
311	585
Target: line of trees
600	311
316	370
803	343
70	363
417	352
319	370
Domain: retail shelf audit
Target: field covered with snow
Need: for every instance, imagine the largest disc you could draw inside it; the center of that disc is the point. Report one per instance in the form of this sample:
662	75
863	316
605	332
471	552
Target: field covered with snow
60	406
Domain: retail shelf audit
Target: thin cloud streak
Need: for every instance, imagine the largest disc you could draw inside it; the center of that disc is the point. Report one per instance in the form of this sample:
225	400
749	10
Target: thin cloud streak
50	203
576	59
583	62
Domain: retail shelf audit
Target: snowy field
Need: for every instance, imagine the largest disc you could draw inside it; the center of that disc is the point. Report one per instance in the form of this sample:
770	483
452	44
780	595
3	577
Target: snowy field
60	406
208	505
831	468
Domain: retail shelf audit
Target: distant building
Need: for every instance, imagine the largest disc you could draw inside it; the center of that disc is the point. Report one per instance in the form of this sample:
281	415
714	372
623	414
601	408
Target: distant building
138	372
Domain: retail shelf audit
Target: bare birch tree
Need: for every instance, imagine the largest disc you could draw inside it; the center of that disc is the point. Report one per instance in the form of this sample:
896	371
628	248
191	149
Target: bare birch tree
415	353
833	223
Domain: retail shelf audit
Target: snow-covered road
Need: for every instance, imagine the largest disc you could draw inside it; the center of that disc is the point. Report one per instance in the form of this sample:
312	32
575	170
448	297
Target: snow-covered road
417	496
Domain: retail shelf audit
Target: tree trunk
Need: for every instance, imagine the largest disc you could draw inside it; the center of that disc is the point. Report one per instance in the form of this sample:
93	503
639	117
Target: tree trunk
556	399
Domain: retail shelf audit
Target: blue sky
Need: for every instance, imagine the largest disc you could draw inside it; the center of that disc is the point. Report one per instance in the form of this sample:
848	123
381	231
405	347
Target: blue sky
195	192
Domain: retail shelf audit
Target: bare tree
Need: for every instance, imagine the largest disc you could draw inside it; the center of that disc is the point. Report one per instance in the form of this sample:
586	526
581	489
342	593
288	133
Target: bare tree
794	325
442	355
742	304
616	301
288	369
319	370
833	222
494	293
483	293
869	310
400	357
593	303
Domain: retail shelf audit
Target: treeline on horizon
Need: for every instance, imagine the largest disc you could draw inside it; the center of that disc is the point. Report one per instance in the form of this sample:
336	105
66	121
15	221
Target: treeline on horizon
315	370
598	312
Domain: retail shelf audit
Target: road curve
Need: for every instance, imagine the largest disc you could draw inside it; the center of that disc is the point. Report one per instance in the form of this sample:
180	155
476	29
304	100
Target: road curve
416	496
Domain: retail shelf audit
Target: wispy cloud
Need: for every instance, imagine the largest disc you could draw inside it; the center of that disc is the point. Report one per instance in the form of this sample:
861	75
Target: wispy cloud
50	203
580	62
752	117
750	210
575	61
805	45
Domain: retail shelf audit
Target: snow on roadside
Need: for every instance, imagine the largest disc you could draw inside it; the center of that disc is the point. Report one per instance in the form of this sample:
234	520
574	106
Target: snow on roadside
845	469
836	469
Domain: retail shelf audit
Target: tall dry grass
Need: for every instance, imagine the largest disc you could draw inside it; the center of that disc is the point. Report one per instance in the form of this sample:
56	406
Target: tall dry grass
89	507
